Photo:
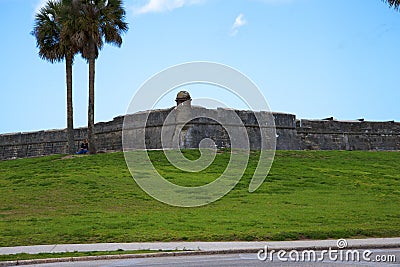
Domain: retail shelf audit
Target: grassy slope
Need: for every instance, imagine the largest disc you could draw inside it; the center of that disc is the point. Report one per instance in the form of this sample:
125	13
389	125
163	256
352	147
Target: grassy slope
308	194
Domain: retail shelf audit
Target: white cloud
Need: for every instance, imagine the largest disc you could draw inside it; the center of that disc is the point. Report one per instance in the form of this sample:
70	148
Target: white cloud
154	6
240	21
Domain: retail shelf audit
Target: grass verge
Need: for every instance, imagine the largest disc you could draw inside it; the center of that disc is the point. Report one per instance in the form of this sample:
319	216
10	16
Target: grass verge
25	256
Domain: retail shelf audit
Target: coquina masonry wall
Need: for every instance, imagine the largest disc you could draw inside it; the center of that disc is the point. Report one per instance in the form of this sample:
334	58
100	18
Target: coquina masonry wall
291	134
348	135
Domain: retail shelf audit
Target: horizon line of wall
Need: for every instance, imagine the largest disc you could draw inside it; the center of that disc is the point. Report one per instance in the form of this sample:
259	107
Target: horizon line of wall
292	134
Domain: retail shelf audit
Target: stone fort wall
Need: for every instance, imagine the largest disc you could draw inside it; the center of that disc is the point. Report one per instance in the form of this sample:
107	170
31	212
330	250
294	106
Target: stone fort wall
292	134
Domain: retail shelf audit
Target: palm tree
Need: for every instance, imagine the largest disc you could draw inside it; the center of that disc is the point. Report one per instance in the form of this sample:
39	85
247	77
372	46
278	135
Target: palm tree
53	29
393	3
100	21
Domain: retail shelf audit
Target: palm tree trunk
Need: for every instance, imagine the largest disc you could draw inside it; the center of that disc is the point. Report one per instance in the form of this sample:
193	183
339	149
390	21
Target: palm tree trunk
70	116
91	137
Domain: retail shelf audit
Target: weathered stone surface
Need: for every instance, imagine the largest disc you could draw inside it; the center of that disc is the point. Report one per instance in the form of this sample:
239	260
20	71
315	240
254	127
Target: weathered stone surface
348	135
215	124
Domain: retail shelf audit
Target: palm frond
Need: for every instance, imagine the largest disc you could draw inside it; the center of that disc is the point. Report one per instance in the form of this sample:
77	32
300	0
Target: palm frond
102	21
54	25
393	3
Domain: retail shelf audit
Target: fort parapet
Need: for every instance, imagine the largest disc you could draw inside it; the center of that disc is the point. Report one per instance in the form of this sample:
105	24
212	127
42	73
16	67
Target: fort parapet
292	134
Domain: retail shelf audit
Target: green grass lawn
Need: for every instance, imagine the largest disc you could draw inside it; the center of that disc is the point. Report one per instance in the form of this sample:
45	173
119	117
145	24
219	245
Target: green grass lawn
25	256
307	195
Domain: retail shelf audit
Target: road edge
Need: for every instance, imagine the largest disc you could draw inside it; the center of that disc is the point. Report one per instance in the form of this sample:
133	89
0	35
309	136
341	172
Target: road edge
182	253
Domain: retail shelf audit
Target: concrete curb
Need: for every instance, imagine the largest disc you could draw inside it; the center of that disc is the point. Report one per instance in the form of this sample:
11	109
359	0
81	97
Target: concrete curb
197	246
357	245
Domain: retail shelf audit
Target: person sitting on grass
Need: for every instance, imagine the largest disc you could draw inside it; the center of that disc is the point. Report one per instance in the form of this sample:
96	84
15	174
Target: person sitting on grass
84	147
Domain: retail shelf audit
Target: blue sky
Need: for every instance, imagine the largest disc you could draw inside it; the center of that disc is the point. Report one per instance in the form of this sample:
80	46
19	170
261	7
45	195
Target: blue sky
313	58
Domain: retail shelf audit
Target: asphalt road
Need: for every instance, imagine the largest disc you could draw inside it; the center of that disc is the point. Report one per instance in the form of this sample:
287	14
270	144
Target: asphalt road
391	256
